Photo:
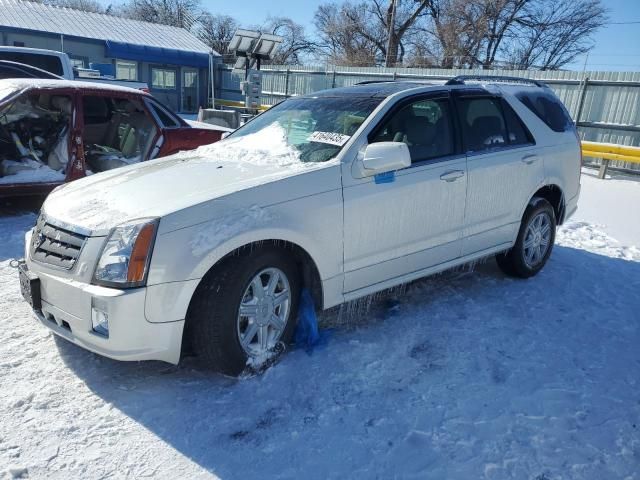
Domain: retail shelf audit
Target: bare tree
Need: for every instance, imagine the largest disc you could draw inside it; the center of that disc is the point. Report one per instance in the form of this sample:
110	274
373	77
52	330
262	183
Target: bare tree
543	34
296	45
177	13
378	27
455	30
554	33
388	32
397	17
216	31
500	17
93	6
347	34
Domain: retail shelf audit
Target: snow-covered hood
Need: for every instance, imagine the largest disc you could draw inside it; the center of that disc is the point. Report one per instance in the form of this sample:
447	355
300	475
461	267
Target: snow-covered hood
164	186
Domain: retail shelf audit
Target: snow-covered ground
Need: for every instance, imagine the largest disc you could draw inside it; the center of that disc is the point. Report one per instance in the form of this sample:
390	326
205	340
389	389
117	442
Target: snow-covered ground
464	376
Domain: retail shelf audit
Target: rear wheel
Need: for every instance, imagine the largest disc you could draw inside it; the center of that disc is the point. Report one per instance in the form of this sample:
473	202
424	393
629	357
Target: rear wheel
243	309
534	243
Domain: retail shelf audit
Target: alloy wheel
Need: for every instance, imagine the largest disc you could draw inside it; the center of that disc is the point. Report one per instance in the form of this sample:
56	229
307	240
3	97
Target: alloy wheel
264	311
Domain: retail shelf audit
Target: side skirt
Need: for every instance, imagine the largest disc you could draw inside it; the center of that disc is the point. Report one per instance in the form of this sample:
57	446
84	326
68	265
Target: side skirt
393	282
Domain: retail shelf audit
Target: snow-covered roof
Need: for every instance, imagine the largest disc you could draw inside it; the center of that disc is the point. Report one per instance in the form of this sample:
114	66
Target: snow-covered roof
67	21
18	84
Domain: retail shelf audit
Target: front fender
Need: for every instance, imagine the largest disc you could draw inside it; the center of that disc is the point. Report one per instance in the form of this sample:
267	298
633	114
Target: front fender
213	256
169	300
313	223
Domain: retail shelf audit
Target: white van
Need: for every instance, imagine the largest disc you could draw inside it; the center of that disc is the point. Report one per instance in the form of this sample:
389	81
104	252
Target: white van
59	64
49	60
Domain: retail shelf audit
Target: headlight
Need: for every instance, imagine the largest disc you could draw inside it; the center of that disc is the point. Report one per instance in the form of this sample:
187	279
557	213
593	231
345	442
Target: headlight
125	257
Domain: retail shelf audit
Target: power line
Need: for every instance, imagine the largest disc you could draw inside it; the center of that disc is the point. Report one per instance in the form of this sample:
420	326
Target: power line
613	54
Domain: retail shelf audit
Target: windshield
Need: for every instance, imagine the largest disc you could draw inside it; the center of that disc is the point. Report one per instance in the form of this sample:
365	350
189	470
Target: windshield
307	129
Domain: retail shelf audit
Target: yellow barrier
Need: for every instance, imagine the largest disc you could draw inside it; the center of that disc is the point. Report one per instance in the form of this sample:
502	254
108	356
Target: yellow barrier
610	151
610	156
231	103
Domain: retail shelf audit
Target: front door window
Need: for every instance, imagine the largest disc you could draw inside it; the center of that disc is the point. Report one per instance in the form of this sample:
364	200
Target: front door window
425	126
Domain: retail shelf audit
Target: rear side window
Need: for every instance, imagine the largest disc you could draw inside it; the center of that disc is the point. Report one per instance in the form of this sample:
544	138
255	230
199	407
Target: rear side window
517	131
548	109
50	63
482	123
489	123
165	119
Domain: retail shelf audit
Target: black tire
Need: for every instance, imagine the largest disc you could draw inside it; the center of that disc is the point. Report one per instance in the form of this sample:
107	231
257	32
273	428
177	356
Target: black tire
513	262
212	316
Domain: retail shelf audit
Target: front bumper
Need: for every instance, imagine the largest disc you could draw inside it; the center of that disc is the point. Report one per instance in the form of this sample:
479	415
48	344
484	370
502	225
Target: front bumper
67	309
131	336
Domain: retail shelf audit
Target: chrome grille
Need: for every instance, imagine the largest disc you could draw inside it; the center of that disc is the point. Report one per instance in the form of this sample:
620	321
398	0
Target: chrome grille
55	246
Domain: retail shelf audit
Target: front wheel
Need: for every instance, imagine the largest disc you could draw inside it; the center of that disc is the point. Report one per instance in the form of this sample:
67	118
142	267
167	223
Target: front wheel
243	309
534	243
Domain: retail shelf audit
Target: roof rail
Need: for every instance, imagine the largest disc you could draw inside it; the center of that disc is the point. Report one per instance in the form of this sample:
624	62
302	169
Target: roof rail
462	79
367	82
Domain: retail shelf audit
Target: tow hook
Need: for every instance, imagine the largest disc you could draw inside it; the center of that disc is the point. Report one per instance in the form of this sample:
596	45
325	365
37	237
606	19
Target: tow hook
15	262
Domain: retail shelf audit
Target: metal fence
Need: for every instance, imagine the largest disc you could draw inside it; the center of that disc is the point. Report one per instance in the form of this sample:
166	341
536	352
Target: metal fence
605	105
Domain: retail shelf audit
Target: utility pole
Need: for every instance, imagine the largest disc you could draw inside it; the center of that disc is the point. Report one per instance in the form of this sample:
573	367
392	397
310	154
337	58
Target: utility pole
392	28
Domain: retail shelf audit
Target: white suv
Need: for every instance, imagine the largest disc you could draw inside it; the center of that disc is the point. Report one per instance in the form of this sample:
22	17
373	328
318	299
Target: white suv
344	192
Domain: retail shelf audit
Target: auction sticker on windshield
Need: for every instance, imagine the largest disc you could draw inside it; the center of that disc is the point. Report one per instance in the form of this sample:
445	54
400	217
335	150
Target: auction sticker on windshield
329	137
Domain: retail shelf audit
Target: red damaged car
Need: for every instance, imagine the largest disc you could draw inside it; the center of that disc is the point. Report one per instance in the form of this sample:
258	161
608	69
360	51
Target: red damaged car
55	131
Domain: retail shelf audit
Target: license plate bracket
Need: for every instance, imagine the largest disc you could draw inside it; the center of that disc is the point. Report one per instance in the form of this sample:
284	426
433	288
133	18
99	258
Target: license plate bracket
29	286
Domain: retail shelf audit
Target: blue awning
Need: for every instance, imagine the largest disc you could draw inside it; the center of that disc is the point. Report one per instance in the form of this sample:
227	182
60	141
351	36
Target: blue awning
143	53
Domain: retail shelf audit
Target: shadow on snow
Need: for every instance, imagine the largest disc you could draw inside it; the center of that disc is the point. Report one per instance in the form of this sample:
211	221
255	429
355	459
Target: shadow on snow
459	342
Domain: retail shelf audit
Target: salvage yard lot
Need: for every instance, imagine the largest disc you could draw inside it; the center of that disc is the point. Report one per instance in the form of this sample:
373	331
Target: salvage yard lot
466	375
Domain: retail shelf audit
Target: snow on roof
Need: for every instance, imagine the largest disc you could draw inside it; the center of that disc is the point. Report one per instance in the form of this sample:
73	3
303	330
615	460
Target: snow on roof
97	26
15	84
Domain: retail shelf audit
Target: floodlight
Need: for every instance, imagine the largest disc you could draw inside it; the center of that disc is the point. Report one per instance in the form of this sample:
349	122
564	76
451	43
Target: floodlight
266	46
251	48
243	41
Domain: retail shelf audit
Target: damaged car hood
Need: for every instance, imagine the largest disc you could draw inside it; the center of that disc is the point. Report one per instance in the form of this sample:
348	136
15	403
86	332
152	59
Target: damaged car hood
157	188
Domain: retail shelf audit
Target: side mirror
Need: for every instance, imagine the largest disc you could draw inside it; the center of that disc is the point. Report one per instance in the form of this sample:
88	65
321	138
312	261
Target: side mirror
385	157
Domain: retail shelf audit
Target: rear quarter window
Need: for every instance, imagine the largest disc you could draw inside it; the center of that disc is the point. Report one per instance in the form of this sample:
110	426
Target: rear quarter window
548	109
165	119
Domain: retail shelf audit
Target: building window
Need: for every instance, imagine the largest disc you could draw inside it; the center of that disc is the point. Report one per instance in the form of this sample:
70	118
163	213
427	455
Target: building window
163	78
77	62
126	70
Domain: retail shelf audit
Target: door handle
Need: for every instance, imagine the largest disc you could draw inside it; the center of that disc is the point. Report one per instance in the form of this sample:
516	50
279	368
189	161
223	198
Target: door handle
452	175
529	159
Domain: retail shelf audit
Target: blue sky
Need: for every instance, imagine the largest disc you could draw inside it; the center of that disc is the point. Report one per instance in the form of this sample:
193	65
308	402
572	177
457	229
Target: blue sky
617	46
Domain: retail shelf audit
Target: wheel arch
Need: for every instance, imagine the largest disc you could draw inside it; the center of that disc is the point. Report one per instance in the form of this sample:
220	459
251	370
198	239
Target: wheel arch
308	269
306	264
553	194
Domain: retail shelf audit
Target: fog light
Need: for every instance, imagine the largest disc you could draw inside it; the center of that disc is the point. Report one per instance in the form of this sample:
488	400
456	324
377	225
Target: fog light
100	322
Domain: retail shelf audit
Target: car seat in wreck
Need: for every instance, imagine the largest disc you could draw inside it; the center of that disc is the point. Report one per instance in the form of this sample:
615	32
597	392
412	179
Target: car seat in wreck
125	140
